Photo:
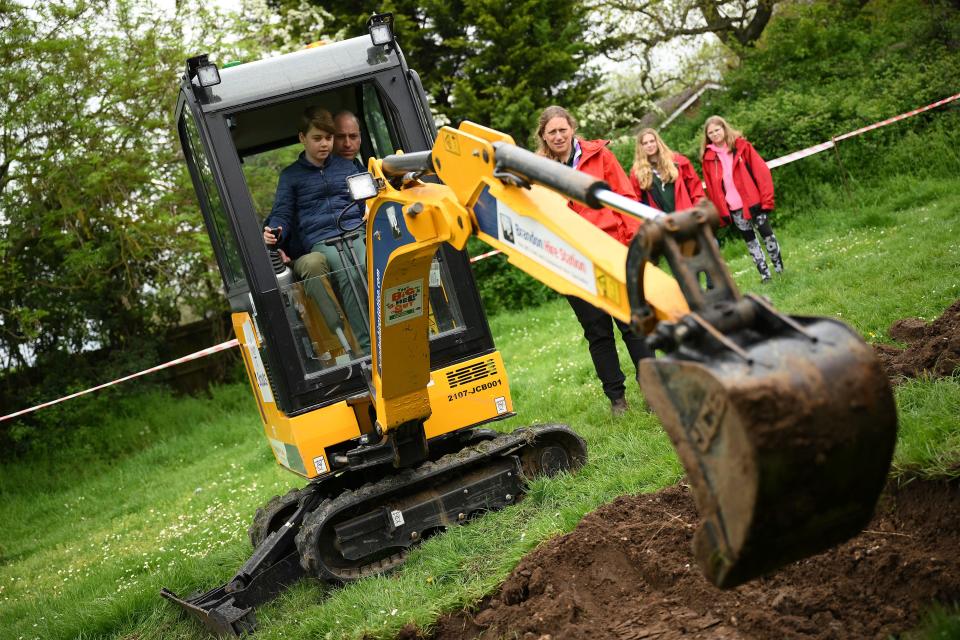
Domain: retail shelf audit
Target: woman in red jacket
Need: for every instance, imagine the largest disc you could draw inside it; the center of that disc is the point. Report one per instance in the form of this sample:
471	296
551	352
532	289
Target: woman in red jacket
663	179
557	140
740	186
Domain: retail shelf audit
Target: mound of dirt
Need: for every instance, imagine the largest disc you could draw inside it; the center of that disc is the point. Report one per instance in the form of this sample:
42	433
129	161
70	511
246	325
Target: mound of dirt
626	573
933	348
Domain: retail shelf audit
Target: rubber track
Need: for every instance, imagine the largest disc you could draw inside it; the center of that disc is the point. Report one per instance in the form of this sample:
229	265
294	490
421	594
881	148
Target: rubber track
310	533
260	527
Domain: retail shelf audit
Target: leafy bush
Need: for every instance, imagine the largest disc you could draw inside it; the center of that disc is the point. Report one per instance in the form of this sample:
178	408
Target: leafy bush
75	424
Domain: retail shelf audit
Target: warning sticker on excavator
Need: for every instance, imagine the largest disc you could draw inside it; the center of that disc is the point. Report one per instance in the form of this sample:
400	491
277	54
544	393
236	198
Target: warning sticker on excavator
260	373
540	244
280	450
320	464
403	302
607	286
451	143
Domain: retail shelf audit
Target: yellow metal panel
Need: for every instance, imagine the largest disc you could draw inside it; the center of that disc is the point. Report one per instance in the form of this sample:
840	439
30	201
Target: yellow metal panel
468	393
401	357
315	431
663	294
599	253
464	160
466	156
276	425
305	436
402	354
239	319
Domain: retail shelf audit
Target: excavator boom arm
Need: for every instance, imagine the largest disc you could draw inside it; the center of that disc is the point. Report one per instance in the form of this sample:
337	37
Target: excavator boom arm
487	189
517	203
785	425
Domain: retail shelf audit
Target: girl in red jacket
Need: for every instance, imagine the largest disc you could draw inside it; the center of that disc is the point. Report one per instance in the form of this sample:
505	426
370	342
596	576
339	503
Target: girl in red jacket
740	186
556	139
663	179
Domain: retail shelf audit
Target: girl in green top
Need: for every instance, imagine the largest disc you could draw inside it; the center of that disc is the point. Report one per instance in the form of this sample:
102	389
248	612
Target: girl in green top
662	178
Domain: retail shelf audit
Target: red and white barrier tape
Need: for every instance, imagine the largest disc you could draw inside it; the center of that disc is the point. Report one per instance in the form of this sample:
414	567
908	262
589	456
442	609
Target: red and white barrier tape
809	151
484	255
938	103
223	346
229	344
803	153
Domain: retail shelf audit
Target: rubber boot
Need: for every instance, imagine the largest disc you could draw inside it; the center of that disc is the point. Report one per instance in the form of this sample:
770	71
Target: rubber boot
773	250
757	254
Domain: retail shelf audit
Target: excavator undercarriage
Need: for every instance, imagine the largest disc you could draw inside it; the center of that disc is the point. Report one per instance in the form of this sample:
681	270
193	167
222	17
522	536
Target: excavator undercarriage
340	529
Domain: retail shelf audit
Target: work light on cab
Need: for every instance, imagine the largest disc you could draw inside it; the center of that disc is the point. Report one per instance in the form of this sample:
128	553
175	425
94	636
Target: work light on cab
362	186
203	72
380	26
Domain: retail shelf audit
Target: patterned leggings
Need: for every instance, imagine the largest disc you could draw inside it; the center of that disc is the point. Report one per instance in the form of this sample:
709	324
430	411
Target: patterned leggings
762	222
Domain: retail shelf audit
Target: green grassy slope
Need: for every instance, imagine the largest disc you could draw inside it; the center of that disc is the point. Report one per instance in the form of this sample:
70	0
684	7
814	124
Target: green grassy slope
87	541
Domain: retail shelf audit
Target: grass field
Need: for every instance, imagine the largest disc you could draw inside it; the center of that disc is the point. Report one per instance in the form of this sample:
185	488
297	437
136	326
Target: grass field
89	538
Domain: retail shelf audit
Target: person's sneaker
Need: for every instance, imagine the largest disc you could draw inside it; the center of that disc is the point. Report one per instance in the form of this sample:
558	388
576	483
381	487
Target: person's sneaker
766	280
618	407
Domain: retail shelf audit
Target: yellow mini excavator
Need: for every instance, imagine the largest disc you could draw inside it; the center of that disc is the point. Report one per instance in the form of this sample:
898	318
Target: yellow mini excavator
785	425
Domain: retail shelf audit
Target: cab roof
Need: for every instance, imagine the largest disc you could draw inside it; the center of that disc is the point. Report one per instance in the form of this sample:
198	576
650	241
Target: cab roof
291	73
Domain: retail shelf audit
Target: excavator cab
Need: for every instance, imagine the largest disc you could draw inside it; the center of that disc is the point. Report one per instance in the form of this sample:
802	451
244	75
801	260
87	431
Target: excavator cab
237	136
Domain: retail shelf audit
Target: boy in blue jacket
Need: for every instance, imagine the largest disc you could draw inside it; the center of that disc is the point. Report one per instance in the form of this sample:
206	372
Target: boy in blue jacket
311	193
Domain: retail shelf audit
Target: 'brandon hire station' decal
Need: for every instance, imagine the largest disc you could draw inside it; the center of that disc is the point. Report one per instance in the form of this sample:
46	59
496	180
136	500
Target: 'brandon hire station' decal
543	246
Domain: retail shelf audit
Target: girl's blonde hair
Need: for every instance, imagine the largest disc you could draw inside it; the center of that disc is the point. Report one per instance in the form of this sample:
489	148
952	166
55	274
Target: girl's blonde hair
546	116
730	134
642	168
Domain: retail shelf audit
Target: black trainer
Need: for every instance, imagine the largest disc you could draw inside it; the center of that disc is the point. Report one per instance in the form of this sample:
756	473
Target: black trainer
618	407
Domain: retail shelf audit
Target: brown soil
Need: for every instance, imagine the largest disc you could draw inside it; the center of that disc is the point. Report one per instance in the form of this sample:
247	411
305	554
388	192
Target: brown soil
933	348
626	572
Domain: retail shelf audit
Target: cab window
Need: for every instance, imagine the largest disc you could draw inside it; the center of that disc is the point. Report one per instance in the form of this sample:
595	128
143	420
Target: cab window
328	310
225	244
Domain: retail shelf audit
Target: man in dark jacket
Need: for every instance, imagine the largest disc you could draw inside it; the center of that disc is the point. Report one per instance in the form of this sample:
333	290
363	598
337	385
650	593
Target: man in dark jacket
311	195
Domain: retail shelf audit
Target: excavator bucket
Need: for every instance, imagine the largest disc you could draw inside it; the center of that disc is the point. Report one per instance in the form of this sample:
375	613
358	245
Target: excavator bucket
785	425
786	451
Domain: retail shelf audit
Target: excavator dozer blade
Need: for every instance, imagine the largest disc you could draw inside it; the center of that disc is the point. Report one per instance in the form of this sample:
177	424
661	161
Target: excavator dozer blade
227	611
216	611
786	443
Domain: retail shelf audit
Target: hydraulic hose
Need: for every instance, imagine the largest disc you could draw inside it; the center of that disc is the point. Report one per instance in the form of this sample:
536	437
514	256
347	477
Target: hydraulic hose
570	182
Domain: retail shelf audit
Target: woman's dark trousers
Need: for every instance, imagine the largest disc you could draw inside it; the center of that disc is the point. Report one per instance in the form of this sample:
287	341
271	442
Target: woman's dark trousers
598	330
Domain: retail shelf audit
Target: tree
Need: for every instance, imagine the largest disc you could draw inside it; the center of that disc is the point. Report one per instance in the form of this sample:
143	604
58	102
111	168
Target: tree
497	62
101	243
650	30
524	56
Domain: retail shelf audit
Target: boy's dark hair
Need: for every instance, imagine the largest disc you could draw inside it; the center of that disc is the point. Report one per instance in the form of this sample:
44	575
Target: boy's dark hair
318	118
